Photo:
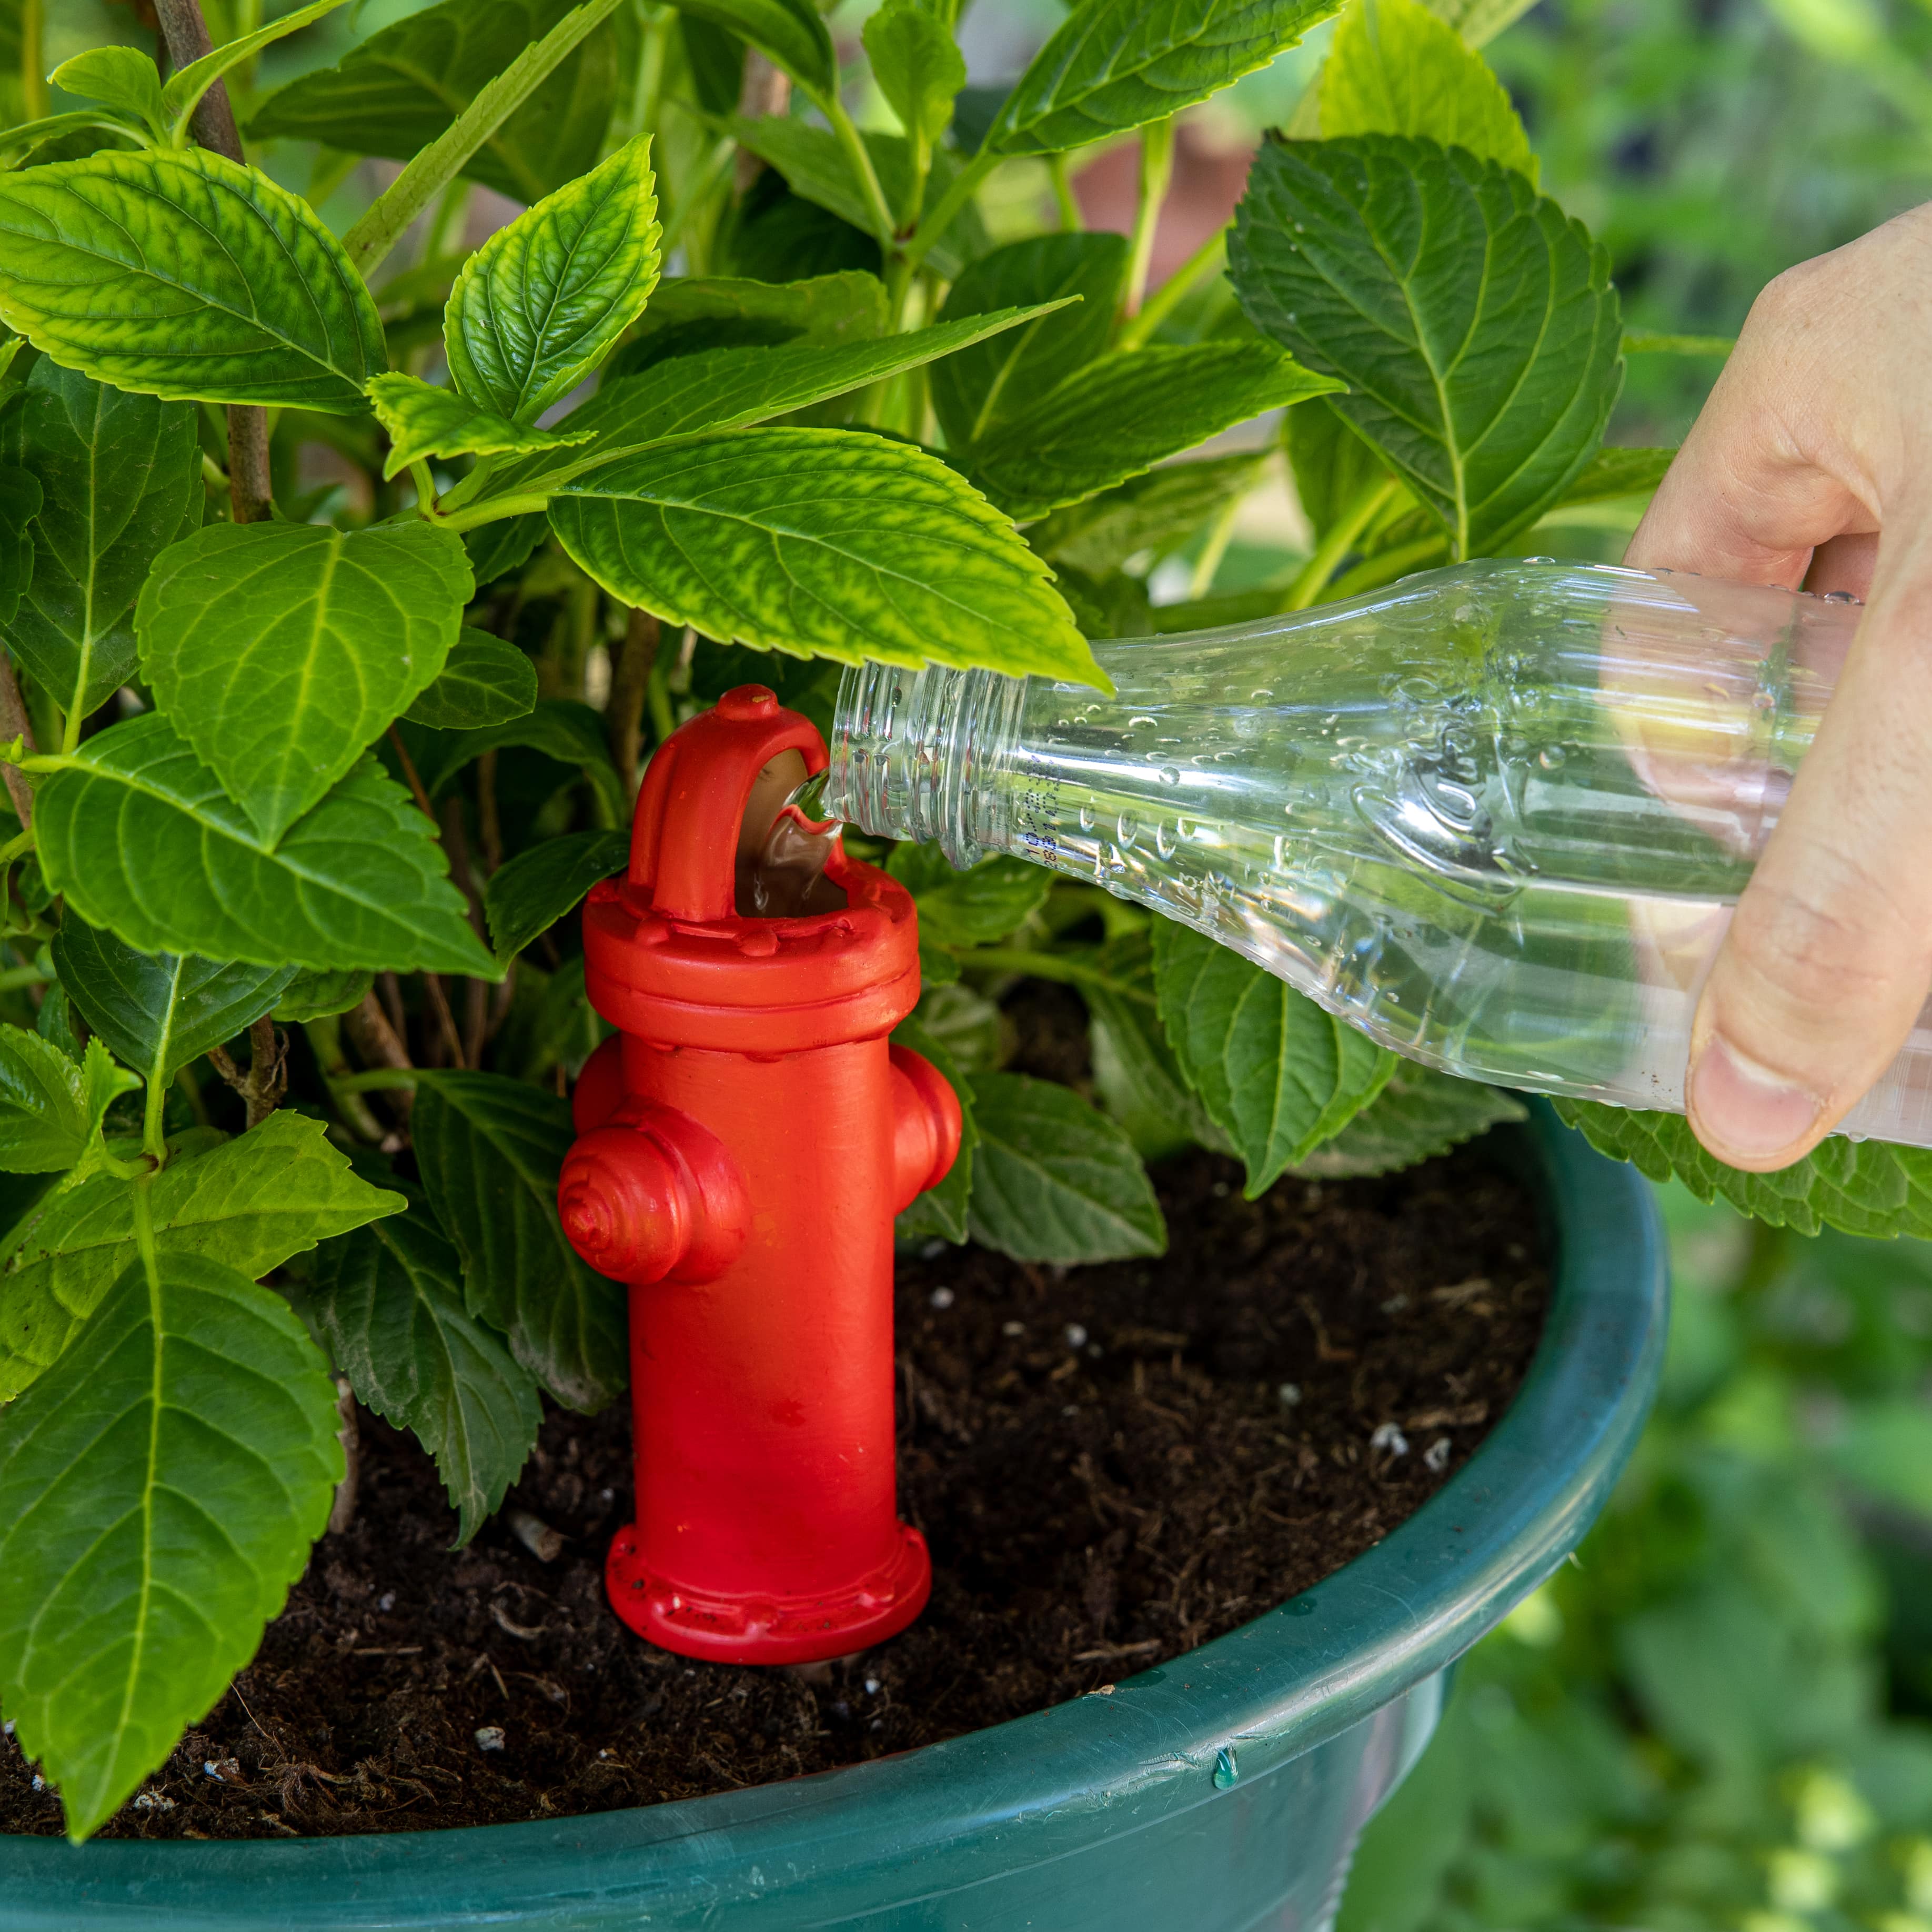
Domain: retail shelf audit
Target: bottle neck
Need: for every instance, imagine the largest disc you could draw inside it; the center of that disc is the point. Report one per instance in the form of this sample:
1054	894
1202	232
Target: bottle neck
913	752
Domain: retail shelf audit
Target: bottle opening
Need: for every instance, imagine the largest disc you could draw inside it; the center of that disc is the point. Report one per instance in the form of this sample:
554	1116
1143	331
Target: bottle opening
782	854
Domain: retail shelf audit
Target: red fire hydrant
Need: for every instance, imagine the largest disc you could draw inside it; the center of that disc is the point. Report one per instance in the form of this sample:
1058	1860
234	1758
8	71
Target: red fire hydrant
745	1141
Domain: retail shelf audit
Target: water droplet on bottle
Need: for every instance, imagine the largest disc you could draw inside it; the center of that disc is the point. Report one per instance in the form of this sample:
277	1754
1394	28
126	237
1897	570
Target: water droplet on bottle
1552	757
1135	723
1088	818
1164	842
1168	775
1127	830
1281	851
1842	597
1260	696
1227	1770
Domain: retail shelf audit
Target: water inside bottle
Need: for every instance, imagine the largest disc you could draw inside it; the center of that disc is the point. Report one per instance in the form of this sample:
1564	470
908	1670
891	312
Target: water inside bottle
1498	817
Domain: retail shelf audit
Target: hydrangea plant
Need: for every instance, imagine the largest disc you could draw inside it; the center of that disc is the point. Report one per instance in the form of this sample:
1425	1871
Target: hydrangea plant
349	567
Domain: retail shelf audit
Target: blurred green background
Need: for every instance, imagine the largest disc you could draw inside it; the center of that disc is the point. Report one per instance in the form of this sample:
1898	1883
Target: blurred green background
1720	1714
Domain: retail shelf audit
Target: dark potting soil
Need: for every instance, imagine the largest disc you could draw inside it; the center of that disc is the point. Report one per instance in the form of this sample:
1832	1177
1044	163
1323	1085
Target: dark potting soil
1112	1464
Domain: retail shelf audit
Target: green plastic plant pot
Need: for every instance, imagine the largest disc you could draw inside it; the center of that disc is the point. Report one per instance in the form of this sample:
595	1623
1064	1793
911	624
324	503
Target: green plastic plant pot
1221	1792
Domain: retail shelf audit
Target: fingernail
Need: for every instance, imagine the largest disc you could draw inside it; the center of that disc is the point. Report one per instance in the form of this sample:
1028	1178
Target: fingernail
1746	1109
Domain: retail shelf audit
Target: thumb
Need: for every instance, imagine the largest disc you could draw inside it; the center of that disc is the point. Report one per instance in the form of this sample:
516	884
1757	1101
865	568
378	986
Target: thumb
1829	958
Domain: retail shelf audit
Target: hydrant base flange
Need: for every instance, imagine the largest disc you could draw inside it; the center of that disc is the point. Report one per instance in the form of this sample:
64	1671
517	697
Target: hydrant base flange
766	1630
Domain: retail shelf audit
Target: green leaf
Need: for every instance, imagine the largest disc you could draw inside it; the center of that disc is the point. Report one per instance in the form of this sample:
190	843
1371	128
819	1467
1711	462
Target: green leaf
1054	1181
282	651
690	313
50	1109
123	77
483	681
1152	514
422	420
388	1301
1117	64
1394	67
186	85
820	542
158	1495
121	474
1418	1115
160	1010
249	1203
814	165
1863	1187
1884	1446
21	497
791	33
728	389
1275	1072
1116	605
543	300
974	907
180	275
1617	472
1332	465
138	834
397	91
560	727
1137	1080
490	1150
316	996
1486	388
1004	378
528	895
941	1211
1124	413
918	66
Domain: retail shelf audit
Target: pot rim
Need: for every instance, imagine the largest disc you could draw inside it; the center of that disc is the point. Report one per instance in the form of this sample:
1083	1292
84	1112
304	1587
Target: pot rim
1035	1787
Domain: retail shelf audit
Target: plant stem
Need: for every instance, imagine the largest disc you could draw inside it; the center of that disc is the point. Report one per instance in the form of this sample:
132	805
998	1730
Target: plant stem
33	61
859	157
379	1043
481	471
14	724
264	1080
764	93
1220	532
1312	578
1156	171
494	509
1375	571
1206	262
657	696
1064	199
1051	966
425	483
154	1139
937	219
623	718
185	33
378	1080
370	240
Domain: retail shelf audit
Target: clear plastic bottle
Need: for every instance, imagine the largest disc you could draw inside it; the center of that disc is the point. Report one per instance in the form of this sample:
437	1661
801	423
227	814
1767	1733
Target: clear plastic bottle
1498	816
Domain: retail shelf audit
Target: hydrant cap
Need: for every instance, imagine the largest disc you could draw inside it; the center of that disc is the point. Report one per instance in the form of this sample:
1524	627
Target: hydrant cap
668	958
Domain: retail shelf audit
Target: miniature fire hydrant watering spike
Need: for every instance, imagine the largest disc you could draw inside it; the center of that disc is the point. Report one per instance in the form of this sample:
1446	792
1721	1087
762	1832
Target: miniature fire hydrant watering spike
745	1141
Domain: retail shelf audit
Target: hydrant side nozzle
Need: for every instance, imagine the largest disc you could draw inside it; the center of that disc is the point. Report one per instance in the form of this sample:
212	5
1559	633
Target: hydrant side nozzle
653	1195
927	1125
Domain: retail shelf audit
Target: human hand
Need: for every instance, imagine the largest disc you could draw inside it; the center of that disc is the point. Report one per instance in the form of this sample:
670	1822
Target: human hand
1811	465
